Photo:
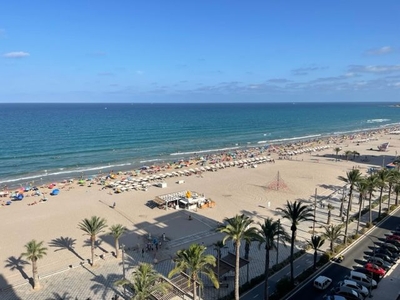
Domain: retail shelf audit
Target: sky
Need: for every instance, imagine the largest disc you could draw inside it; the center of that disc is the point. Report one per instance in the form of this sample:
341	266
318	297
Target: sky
199	51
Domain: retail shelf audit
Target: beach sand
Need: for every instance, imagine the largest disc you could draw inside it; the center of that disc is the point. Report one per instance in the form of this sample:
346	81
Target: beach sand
235	191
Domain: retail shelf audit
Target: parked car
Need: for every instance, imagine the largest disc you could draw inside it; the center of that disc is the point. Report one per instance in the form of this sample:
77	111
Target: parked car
393	237
369	274
370	267
355	286
333	297
392	248
385	258
393	241
379	262
348	293
386	252
362	279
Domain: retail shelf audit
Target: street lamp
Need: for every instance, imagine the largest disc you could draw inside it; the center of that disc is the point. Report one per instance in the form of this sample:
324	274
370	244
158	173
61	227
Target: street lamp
123	266
277	243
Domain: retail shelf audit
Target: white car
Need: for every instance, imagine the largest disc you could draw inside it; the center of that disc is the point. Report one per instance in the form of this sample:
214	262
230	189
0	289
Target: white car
355	286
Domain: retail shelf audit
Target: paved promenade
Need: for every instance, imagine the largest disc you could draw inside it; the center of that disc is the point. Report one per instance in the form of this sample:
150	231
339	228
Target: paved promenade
85	282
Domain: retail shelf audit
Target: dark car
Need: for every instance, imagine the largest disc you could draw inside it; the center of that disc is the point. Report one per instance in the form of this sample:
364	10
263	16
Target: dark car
393	241
380	262
392	248
386	252
385	258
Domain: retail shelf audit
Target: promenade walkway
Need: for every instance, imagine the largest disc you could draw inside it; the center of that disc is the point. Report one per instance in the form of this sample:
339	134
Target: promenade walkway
85	282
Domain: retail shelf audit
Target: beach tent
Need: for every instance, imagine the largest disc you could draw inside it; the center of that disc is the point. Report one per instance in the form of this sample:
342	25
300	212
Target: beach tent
55	192
19	197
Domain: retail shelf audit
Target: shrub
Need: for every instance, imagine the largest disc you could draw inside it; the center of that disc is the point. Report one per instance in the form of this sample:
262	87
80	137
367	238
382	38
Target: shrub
368	225
283	286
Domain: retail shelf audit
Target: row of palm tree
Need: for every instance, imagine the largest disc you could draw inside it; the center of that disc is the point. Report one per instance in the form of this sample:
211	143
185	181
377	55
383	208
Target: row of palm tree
366	186
93	226
347	153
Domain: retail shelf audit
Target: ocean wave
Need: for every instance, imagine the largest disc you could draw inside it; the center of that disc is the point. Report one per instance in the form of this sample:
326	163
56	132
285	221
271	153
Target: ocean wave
378	120
351	131
149	160
262	142
295	138
62	173
203	151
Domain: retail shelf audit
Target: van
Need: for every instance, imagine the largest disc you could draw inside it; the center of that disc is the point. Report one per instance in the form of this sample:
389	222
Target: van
362	279
322	282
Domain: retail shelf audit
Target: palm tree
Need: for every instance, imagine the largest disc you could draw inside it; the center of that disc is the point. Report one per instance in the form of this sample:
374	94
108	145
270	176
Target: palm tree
337	150
145	281
269	231
383	176
237	229
348	153
316	242
355	153
92	227
117	231
330	208
393	178
295	212
352	177
195	262
396	191
34	251
332	233
372	182
362	188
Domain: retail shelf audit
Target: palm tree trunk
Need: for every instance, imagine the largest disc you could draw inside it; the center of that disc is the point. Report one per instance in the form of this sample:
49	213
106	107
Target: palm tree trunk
331	245
329	217
194	290
380	203
389	194
315	260
237	270
397	199
359	213
370	208
266	273
116	248
35	275
347	217
291	254
92	239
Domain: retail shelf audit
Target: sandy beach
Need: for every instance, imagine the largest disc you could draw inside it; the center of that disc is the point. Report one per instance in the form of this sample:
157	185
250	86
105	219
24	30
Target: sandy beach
235	190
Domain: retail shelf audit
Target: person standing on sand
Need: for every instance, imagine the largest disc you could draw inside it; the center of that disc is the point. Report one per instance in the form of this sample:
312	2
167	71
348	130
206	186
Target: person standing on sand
114	205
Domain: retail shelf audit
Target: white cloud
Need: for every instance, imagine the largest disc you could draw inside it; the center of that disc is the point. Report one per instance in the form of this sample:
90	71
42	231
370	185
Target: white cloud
374	69
380	51
17	54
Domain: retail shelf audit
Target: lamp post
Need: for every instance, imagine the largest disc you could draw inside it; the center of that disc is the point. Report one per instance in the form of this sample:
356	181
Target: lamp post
123	266
277	243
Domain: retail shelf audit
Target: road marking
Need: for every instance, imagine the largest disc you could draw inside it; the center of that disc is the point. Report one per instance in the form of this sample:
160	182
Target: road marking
256	296
287	273
297	267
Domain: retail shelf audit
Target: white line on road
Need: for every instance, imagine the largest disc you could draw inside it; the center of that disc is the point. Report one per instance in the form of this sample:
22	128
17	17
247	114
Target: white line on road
287	273
256	296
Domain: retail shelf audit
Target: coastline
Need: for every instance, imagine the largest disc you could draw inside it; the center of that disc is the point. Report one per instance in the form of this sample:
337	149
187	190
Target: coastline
40	179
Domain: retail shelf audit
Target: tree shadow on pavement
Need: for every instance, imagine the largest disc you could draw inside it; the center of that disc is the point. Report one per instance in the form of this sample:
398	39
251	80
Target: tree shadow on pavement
57	296
103	285
65	243
18	264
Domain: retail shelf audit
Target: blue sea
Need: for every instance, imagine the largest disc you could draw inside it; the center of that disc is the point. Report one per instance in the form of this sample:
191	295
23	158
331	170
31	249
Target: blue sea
40	142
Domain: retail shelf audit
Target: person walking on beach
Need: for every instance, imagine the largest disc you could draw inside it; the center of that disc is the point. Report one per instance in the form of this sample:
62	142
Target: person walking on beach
114	205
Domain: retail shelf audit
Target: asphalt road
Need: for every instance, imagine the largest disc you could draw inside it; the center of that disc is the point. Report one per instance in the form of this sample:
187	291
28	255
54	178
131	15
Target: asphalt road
354	257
